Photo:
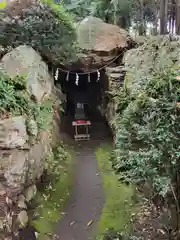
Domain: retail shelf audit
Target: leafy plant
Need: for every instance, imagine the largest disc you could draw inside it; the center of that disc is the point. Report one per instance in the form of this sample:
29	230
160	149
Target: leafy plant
15	100
148	132
53	167
111	234
12	95
106	10
48	28
43	113
51	197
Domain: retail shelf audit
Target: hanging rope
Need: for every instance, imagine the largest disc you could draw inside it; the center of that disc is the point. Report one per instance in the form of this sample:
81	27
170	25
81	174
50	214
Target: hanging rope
90	72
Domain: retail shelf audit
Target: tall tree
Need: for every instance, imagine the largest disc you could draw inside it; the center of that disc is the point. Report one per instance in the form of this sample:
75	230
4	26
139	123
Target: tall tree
155	10
178	17
163	16
142	20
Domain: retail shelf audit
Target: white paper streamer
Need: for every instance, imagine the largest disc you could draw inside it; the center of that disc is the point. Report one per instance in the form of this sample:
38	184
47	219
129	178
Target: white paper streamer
67	77
56	74
89	78
77	79
98	75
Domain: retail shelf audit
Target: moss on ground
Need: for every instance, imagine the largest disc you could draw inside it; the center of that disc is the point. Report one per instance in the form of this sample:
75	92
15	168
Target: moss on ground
52	199
119	206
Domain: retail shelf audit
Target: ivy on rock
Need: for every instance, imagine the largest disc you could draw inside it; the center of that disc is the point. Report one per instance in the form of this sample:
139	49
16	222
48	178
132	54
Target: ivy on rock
15	101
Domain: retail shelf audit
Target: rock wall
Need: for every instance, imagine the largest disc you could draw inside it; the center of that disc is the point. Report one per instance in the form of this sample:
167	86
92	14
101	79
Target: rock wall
23	145
156	54
115	79
139	64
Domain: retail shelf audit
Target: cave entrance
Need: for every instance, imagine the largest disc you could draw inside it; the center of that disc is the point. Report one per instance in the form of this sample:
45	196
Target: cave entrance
87	89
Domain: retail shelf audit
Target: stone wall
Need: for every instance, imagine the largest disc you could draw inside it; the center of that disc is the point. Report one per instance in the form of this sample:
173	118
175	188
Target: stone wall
138	64
23	146
115	79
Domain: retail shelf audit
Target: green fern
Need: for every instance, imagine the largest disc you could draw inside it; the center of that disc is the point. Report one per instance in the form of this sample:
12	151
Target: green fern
14	99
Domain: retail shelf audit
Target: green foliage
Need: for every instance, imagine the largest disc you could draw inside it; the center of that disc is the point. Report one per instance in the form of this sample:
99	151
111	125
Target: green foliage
106	10
156	55
43	113
116	214
148	132
12	95
48	29
79	9
15	100
52	197
60	154
61	13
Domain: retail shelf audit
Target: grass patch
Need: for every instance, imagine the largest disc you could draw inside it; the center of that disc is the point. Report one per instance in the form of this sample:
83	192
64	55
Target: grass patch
116	214
51	199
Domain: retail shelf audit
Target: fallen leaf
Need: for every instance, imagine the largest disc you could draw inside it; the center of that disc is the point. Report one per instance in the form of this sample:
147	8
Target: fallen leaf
89	223
72	223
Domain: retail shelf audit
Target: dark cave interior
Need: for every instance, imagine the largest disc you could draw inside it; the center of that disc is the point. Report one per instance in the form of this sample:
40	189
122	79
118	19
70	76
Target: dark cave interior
87	90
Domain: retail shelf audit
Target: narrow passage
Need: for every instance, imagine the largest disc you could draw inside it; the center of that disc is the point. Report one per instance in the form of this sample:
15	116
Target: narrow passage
86	201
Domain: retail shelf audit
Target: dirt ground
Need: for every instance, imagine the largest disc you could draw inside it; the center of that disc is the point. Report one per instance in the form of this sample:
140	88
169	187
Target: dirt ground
87	198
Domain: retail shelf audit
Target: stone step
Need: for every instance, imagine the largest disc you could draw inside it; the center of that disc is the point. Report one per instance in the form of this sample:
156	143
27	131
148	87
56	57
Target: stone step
116	75
117	69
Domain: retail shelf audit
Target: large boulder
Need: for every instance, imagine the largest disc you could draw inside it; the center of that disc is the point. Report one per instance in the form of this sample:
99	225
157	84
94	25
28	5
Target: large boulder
98	36
101	41
154	56
17	168
24	61
41	25
21	168
13	132
36	158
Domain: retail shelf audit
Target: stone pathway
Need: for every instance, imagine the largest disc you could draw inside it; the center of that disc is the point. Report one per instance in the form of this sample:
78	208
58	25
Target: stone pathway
86	201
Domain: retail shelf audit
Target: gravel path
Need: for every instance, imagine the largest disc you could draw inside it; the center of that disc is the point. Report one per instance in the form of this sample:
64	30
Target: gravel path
86	201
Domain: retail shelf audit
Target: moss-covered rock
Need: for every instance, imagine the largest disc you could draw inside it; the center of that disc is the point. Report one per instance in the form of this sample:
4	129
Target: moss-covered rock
25	133
154	56
38	80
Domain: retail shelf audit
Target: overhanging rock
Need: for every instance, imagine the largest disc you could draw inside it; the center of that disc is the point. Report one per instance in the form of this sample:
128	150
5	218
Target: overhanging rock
101	42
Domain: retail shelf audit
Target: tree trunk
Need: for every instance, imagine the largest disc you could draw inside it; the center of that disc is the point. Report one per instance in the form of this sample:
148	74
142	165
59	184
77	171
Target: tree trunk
163	16
173	25
155	26
156	18
141	29
178	17
142	25
123	22
115	6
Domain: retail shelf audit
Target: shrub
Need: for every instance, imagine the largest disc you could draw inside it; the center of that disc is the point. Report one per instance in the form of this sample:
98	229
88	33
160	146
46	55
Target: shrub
13	97
148	132
47	28
15	100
